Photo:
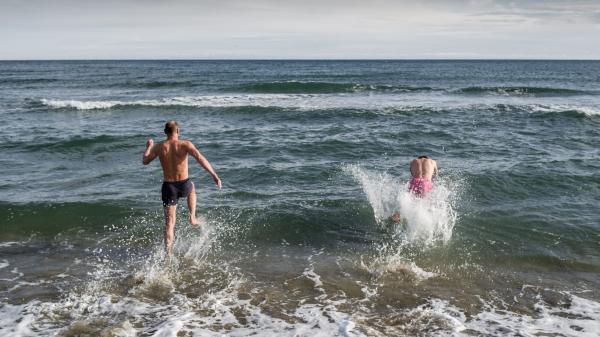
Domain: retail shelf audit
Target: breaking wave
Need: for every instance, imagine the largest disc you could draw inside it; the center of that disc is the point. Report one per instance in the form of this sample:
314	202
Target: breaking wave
384	104
196	101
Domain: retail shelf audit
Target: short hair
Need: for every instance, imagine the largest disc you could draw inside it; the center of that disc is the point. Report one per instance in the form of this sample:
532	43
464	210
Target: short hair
170	127
423	157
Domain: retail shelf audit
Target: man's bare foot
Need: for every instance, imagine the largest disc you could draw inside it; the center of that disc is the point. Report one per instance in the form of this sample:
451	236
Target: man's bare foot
194	221
197	221
396	218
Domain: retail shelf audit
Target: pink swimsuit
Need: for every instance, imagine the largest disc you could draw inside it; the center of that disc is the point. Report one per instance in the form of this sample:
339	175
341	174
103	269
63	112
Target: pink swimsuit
420	186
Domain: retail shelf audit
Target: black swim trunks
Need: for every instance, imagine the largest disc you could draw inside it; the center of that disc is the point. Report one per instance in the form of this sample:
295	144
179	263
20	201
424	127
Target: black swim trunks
171	191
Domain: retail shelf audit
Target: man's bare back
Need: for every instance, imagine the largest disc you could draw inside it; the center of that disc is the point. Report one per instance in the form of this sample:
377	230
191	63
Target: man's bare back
173	155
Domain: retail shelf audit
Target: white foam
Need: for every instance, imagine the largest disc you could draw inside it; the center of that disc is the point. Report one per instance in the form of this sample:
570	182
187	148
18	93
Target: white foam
4	264
195	101
310	274
440	313
80	105
159	301
16	272
215	313
396	263
125	329
580	317
172	326
14	321
381	102
588	111
259	100
11	243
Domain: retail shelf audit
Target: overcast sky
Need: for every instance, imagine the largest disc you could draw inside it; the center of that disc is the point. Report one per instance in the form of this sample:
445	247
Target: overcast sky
267	29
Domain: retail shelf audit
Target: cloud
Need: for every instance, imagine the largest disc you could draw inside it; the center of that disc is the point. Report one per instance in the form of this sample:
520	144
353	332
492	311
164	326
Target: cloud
550	11
298	29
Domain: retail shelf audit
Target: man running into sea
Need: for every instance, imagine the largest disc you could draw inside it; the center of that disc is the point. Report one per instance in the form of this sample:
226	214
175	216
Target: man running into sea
173	155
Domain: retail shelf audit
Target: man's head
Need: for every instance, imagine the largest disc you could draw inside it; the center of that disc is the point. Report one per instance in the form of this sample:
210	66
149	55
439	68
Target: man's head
422	157
171	128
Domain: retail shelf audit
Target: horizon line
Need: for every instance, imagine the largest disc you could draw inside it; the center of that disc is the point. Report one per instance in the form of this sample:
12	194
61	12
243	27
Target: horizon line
298	59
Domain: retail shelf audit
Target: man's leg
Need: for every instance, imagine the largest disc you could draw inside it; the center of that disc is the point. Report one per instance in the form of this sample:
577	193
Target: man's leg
169	227
191	201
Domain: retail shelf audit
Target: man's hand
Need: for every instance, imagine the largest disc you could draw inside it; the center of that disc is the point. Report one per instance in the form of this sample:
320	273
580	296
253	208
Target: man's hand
149	154
217	181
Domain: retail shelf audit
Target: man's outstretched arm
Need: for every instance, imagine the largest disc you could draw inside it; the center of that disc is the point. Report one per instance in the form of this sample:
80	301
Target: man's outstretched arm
150	152
204	163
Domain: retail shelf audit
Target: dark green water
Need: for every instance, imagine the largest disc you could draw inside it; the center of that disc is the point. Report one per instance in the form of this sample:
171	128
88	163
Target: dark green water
314	158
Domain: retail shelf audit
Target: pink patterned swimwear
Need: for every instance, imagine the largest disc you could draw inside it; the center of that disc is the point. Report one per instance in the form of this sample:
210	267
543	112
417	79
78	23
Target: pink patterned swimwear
420	186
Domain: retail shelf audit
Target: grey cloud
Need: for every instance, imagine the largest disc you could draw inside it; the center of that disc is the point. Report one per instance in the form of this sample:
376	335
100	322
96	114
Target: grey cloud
555	10
296	29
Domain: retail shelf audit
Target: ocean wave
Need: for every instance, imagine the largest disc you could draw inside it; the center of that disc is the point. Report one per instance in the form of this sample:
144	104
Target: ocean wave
56	143
521	91
196	101
301	102
310	87
558	109
161	84
381	104
26	80
314	87
71	144
566	109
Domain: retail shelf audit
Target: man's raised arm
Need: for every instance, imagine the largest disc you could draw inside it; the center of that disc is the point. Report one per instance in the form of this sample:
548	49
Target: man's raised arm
203	162
150	152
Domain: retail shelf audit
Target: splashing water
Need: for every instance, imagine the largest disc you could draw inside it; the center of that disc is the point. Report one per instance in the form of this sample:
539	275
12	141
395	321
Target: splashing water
425	221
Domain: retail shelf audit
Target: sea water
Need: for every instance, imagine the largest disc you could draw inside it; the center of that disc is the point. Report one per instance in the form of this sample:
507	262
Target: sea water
314	160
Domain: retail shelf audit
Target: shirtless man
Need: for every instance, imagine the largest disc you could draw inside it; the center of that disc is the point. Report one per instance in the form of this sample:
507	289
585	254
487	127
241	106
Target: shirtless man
173	154
422	169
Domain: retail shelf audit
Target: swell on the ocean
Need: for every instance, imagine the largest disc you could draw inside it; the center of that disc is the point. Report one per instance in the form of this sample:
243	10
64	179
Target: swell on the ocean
305	87
314	87
306	102
522	90
26	81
